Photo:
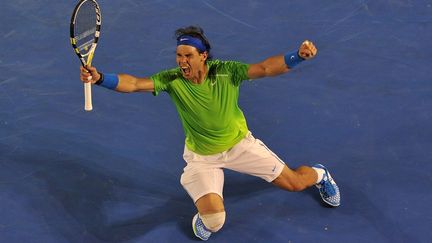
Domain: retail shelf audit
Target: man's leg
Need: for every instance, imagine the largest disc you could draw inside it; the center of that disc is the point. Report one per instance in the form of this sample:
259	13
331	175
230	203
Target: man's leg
203	179
296	180
304	177
209	204
211	210
251	156
210	217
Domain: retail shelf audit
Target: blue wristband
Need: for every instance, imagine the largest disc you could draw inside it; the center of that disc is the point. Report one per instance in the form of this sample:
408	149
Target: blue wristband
109	81
292	59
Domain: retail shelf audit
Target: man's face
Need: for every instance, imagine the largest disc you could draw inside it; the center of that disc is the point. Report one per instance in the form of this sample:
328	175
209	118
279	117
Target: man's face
190	61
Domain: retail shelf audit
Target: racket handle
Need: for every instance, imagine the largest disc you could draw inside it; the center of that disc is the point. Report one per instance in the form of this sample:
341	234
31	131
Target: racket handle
88	97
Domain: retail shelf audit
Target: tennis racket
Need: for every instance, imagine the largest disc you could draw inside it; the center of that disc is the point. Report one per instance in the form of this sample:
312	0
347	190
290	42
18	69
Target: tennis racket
84	34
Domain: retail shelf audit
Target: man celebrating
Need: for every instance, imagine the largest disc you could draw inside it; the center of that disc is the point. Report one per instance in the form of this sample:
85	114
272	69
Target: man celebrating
205	93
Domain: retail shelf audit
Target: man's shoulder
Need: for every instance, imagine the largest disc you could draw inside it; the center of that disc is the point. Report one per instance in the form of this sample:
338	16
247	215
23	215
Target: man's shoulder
225	64
167	75
174	70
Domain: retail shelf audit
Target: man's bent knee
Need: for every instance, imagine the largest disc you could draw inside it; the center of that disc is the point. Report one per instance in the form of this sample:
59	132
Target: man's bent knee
209	204
213	222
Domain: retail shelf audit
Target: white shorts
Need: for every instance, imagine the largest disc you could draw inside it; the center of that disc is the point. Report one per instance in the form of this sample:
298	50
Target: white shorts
203	174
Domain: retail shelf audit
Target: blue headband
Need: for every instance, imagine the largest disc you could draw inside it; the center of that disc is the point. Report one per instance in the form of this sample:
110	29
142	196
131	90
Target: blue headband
191	41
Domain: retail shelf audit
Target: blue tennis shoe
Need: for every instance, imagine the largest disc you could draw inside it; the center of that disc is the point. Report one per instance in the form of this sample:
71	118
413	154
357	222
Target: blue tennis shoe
328	188
199	228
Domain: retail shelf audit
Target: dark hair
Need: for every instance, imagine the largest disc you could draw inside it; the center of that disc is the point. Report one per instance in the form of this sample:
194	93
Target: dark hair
194	31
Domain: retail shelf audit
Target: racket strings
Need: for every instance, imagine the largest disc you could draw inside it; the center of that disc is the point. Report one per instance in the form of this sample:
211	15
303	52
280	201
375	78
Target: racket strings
85	26
84	47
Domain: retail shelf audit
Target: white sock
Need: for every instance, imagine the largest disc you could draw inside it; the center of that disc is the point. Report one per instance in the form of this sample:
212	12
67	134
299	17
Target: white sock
320	172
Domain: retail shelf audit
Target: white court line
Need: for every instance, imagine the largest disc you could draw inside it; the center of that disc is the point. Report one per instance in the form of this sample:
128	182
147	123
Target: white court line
228	16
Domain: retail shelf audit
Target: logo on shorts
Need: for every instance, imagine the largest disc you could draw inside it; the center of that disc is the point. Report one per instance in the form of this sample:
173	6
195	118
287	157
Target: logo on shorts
274	168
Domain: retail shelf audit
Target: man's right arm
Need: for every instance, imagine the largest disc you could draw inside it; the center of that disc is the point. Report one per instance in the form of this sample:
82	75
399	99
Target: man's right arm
126	83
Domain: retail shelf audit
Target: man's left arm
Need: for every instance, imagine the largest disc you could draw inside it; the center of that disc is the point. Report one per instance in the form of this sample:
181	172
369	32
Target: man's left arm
280	64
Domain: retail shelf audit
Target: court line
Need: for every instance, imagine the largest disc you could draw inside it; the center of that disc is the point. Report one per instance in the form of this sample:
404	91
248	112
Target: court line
228	16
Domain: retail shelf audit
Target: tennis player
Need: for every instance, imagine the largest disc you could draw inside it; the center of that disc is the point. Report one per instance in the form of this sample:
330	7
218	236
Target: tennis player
205	93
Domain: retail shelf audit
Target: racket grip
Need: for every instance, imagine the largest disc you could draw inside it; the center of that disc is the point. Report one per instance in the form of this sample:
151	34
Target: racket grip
88	97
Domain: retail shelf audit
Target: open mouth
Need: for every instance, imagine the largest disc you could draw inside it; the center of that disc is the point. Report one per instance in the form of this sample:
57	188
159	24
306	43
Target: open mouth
186	70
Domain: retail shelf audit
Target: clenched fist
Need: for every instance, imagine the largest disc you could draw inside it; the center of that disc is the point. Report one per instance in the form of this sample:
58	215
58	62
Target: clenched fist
89	74
307	50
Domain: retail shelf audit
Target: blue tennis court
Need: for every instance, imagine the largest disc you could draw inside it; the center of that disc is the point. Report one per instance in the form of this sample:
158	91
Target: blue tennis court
362	107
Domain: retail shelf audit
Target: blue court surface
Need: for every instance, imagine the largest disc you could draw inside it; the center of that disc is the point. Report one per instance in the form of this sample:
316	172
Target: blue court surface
362	107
